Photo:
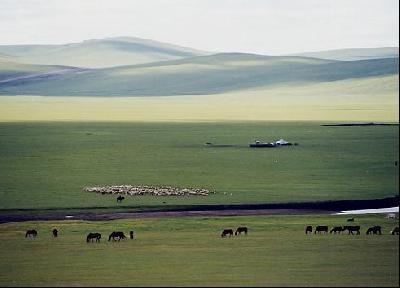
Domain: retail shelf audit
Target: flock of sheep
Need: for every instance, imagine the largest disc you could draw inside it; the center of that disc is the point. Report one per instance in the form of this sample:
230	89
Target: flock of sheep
148	190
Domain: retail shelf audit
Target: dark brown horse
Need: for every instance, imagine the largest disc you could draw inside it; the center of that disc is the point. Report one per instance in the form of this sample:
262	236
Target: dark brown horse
352	229
91	236
337	229
350	220
119	235
227	232
239	230
55	233
31	233
131	234
320	229
374	230
308	229
395	231
120	198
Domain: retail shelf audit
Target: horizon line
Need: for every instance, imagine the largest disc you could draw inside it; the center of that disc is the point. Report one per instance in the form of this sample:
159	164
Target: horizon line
194	48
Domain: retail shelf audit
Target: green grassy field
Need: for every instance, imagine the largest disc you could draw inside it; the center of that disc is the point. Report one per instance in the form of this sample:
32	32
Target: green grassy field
356	99
46	165
189	252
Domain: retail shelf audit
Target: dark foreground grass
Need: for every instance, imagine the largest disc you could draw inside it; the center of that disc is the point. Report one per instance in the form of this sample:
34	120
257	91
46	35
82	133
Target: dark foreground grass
189	252
46	165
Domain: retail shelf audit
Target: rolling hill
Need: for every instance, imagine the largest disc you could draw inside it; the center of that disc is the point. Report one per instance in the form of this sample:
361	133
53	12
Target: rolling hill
12	72
354	54
99	53
212	74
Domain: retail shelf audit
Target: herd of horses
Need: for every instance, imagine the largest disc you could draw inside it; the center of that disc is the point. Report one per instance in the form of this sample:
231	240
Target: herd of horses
114	236
238	231
118	235
90	237
374	230
33	233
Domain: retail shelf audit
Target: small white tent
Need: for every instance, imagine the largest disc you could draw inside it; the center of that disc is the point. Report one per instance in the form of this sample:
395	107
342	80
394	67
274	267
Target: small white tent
281	142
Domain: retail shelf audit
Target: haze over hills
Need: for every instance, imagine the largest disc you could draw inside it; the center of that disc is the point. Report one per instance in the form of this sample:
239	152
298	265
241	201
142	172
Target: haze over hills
219	73
118	51
199	86
11	71
99	53
353	54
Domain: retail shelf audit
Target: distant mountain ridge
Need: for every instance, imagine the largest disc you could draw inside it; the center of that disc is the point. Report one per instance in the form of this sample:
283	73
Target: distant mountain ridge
199	75
128	66
121	51
99	53
353	54
15	72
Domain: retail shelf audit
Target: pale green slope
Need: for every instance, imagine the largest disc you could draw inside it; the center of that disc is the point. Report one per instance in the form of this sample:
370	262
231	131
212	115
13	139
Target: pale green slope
202	75
12	71
97	53
353	54
362	99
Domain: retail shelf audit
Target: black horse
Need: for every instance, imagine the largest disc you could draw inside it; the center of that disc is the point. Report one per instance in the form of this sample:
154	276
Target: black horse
55	233
350	220
119	235
320	229
30	233
131	234
374	230
352	229
120	198
395	231
227	232
308	229
239	230
337	229
91	236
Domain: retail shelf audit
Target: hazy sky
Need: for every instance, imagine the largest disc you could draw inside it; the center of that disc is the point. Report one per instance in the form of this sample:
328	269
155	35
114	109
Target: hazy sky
257	26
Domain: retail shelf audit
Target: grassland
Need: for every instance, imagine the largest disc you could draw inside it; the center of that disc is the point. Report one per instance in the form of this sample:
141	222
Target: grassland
46	165
151	139
203	75
369	99
189	252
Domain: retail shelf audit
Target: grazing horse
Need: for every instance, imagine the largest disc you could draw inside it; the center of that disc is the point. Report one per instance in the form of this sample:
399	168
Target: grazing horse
374	230
320	229
337	229
239	230
120	198
352	229
227	232
395	231
30	233
55	233
91	236
119	235
308	229
350	220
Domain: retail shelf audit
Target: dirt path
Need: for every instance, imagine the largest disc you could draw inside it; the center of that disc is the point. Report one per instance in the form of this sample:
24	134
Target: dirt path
323	207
